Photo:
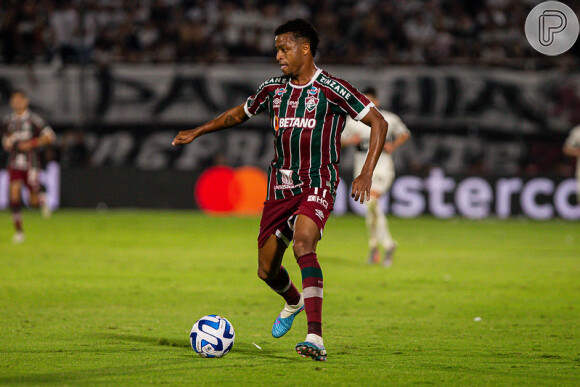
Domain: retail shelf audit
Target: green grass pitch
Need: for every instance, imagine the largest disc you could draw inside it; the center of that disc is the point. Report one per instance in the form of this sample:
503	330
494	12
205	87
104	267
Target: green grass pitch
109	298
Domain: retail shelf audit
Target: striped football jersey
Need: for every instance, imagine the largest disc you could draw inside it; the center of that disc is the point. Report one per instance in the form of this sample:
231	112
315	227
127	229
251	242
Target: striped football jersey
307	122
23	128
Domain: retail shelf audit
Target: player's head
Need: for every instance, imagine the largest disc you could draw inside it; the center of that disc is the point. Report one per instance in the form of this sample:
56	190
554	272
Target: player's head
371	94
296	43
19	101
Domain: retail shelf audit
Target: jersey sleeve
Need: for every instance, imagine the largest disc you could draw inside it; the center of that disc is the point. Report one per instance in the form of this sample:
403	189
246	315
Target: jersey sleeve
257	103
349	99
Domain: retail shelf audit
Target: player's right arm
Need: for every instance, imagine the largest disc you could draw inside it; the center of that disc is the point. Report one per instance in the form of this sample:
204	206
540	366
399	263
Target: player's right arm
229	118
361	186
7	140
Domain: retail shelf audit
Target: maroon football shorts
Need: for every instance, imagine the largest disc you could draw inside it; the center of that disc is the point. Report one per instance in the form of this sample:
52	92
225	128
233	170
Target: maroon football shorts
29	177
279	215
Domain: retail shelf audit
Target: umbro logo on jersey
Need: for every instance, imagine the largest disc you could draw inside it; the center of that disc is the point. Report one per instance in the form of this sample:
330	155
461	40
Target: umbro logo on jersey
277	102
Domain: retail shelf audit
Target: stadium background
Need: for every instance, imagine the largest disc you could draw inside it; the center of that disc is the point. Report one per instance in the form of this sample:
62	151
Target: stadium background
118	79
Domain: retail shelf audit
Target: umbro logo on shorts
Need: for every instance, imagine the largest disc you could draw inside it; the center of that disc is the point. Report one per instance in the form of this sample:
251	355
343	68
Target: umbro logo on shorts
319	213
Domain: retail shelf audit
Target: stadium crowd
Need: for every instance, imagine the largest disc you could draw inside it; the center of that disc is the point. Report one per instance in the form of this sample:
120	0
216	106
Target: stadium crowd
370	32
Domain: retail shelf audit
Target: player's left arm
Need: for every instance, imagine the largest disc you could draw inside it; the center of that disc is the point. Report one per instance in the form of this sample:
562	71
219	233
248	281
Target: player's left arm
361	186
7	138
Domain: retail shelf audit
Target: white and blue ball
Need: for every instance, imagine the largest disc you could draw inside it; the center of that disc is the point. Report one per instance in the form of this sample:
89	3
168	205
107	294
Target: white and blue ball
212	336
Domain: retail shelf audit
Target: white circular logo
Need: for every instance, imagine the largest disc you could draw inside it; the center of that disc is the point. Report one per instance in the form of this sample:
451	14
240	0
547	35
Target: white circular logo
552	28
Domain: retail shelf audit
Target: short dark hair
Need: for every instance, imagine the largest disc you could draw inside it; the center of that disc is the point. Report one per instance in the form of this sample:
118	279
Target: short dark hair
370	90
300	28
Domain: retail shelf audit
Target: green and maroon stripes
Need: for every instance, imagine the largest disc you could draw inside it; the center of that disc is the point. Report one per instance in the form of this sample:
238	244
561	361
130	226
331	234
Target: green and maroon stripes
312	290
307	121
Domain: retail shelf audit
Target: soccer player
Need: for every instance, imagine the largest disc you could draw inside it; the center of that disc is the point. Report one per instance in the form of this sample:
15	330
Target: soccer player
307	108
572	148
358	134
24	133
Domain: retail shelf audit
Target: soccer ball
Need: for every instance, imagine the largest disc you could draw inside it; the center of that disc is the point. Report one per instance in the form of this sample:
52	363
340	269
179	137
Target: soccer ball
212	336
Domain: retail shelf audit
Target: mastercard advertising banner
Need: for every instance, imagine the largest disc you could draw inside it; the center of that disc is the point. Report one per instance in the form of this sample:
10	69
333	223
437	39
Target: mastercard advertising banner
225	190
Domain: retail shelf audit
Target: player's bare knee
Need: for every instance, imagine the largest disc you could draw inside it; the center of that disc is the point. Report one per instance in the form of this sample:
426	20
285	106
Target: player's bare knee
267	272
34	202
15	194
262	274
301	246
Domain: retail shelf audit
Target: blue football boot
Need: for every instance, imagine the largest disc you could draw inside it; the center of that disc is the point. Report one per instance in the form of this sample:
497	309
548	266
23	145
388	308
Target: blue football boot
285	319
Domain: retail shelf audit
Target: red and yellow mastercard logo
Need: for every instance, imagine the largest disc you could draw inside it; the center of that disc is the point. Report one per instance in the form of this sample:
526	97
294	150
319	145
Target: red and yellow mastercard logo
223	190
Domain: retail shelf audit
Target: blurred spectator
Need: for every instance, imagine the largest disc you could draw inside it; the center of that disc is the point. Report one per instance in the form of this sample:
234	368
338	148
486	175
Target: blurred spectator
64	24
487	32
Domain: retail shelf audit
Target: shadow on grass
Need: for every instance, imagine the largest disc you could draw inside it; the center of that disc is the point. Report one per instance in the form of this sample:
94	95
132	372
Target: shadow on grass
240	347
180	343
241	353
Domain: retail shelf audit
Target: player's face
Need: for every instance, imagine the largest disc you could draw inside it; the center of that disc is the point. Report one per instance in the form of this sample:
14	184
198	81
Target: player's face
19	102
290	53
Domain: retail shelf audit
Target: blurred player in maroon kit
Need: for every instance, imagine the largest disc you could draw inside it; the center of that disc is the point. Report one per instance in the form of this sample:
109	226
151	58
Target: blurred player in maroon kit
24	133
307	108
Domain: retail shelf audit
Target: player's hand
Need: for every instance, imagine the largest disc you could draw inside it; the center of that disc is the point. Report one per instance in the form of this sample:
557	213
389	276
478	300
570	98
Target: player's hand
361	188
185	137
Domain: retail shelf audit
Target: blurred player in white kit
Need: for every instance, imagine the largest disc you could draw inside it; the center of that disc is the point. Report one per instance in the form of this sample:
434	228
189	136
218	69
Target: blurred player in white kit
356	134
572	148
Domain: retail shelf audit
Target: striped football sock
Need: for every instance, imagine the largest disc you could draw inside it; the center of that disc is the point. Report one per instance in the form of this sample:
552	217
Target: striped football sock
312	291
282	285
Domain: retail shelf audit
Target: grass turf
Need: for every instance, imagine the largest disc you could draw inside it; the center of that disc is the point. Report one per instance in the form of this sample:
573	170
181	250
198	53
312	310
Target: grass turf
109	298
